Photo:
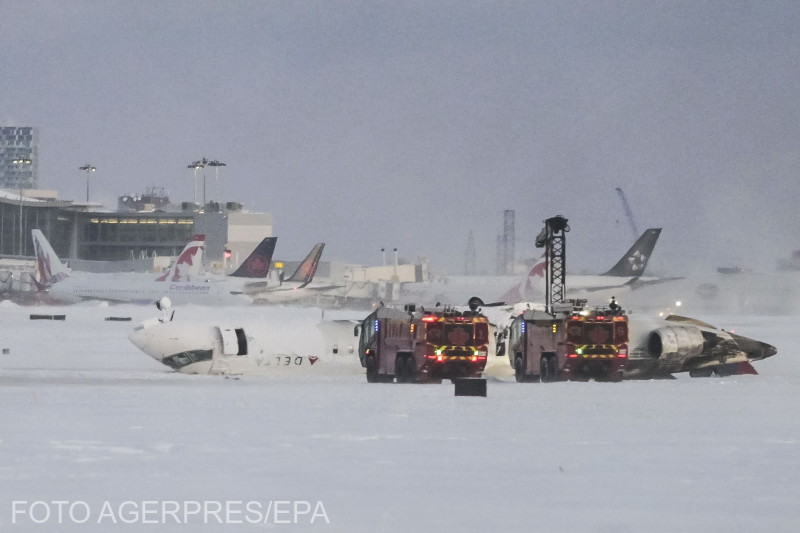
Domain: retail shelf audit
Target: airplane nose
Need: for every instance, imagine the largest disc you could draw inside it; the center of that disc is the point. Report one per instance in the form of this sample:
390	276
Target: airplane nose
143	339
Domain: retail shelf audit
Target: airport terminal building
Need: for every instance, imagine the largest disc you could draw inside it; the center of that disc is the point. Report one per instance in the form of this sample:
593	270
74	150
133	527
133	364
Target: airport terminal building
87	232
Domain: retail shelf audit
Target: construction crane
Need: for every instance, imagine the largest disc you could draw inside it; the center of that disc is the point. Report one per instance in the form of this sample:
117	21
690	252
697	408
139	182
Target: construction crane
628	213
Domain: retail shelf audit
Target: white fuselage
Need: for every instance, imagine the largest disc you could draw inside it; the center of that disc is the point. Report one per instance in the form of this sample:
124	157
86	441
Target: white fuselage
456	290
269	341
127	288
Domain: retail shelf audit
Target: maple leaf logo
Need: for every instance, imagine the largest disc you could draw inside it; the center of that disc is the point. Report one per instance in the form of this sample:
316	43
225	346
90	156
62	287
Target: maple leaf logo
539	268
458	336
257	264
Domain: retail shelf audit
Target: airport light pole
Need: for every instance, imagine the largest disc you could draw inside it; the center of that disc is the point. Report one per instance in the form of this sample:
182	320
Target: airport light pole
196	165
21	235
88	169
216	164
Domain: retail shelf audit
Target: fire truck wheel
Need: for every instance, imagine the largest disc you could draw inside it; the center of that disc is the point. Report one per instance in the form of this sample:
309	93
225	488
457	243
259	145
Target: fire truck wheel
400	369
519	370
372	370
547	369
410	369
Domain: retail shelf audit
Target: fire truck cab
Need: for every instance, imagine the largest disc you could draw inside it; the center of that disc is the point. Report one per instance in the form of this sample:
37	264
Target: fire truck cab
422	345
572	343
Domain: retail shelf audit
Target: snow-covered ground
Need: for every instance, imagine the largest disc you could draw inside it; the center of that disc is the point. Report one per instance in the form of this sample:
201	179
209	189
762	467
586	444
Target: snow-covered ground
88	419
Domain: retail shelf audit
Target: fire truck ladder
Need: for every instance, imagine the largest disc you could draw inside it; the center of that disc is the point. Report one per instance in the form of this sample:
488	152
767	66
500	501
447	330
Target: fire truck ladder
551	238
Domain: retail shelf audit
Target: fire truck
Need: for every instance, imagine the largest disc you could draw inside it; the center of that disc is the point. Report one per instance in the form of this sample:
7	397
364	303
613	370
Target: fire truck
422	345
570	343
565	340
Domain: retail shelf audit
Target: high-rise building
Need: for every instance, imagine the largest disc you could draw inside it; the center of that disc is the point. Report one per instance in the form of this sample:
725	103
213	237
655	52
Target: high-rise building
19	157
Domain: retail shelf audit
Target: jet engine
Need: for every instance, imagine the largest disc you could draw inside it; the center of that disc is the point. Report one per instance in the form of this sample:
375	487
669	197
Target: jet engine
673	345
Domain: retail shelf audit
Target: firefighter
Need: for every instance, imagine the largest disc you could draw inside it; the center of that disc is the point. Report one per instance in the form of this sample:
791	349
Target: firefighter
614	306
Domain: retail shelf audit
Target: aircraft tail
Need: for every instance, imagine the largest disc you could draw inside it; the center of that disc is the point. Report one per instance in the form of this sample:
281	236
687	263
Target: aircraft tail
258	262
49	269
305	272
521	290
735	369
635	260
188	262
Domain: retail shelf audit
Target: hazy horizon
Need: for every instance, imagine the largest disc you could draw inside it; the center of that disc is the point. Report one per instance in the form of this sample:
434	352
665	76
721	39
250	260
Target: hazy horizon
407	125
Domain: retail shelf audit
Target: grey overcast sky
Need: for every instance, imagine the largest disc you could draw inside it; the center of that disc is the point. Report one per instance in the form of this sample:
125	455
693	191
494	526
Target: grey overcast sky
408	124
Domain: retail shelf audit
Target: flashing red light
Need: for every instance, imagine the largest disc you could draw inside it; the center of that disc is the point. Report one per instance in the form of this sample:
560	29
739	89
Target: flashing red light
573	355
622	355
439	358
600	317
430	319
227	254
473	358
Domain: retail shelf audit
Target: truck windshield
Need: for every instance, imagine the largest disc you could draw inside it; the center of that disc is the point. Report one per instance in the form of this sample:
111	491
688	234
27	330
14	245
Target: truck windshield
598	333
458	334
591	333
466	334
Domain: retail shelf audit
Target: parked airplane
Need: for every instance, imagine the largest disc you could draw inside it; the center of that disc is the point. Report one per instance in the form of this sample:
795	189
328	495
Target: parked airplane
457	289
296	287
628	271
66	286
187	263
265	341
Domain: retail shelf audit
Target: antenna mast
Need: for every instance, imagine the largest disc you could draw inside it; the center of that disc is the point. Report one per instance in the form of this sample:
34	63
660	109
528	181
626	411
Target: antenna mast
628	213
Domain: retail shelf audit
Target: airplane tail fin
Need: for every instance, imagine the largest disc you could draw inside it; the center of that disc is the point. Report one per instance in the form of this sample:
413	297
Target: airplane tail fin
305	272
635	260
522	289
258	262
188	262
735	369
40	287
49	269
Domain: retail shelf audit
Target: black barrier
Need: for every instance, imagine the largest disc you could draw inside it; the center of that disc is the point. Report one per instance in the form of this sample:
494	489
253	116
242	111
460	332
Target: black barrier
48	317
470	386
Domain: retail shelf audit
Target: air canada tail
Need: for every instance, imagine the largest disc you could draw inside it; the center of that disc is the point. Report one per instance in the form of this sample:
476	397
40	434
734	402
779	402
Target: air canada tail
305	272
635	260
521	290
49	269
257	263
188	262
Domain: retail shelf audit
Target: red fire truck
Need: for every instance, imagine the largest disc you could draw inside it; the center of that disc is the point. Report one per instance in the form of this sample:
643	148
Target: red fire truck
571	343
422	345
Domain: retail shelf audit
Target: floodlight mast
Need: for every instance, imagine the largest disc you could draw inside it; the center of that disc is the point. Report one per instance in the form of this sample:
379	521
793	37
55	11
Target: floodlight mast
88	169
551	238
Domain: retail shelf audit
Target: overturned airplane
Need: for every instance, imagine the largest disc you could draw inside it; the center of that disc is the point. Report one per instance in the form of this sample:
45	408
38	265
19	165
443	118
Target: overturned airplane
654	348
660	348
